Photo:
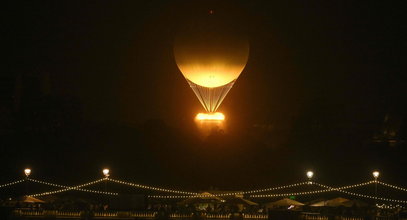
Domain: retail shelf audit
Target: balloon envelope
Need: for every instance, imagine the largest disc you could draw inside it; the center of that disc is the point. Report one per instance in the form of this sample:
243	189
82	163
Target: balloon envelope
210	60
211	55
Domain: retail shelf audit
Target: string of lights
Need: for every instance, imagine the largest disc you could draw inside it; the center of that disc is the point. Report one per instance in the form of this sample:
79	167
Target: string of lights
230	193
352	186
252	196
362	195
390	206
47	183
267	189
295	193
152	188
392	186
262	190
313	192
171	197
187	194
291	194
12	183
67	187
78	187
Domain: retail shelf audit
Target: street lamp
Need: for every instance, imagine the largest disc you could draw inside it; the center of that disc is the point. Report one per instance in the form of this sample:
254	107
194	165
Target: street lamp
376	175
106	172
27	172
310	174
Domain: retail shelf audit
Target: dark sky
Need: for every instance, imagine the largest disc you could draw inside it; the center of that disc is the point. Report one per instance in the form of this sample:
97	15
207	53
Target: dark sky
93	84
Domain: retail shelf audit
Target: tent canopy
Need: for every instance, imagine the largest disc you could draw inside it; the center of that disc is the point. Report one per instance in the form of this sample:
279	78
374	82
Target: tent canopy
240	201
204	197
355	203
284	202
29	199
333	202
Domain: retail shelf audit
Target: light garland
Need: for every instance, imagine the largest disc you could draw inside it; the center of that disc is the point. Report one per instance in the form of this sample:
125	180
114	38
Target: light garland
170	197
66	187
327	189
312	192
232	193
267	189
338	189
152	188
362	195
291	194
12	183
262	190
391	206
47	183
392	186
187	194
78	187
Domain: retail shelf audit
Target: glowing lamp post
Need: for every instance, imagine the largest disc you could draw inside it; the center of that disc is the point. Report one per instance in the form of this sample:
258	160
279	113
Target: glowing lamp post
106	173
27	172
376	175
310	174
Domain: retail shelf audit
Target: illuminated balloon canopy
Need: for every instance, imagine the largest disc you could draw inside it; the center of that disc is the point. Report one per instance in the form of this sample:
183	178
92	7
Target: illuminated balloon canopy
211	55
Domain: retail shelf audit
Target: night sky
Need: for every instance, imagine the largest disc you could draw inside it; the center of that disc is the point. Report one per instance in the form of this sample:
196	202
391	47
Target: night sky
87	85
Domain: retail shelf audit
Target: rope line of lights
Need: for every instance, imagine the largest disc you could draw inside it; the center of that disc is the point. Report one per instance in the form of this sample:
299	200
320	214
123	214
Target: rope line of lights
327	189
76	188
291	194
47	183
171	197
268	189
252	196
67	187
338	189
151	187
12	183
391	206
347	187
392	186
262	190
362	195
231	193
187	194
314	191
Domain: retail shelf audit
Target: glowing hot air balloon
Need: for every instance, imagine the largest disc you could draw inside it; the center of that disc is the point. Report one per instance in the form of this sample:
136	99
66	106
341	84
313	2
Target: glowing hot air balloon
211	54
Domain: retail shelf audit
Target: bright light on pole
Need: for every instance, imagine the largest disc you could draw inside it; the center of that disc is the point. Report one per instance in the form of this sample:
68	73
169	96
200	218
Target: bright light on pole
106	172
376	174
310	174
27	172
